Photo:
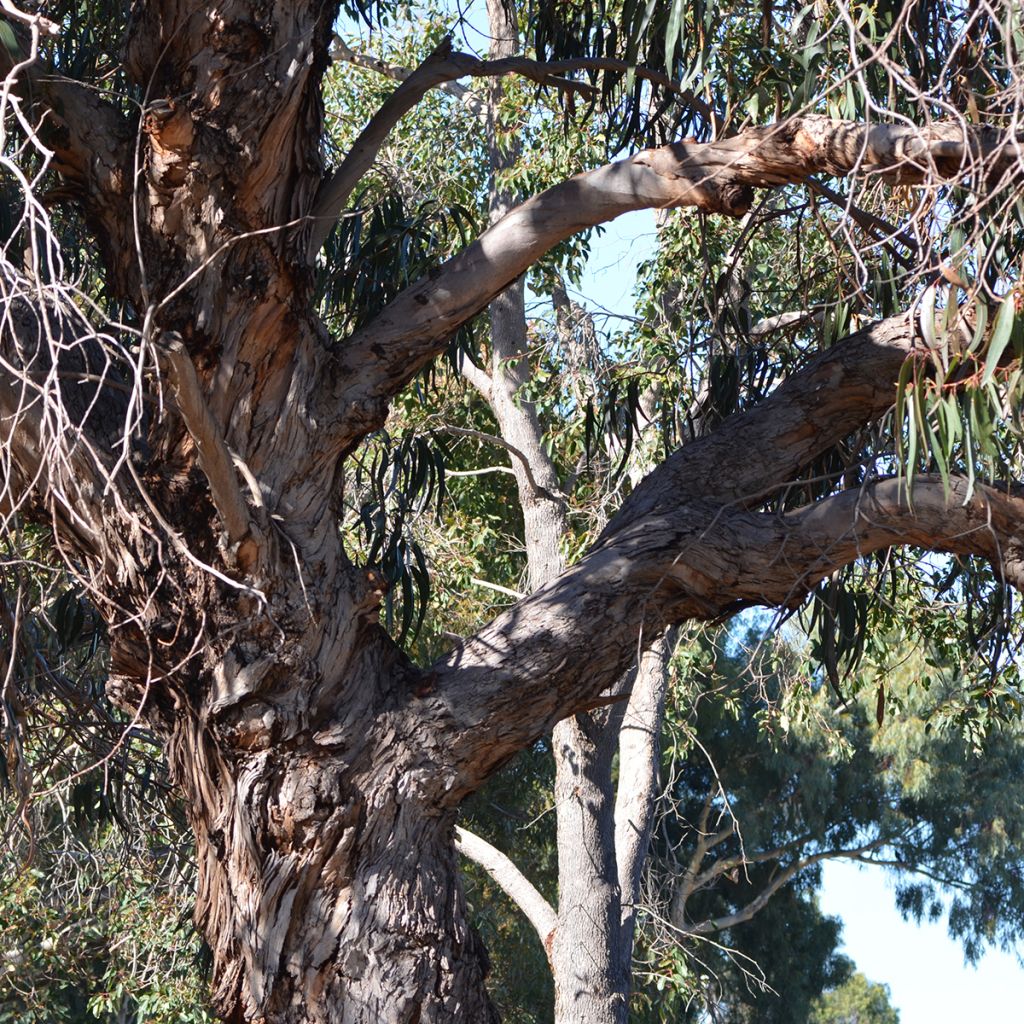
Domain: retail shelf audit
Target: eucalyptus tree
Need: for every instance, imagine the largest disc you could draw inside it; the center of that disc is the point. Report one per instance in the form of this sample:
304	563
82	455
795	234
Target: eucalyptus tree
858	1000
178	413
779	784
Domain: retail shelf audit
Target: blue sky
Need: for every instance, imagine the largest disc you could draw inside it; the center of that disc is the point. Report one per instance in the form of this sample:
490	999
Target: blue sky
924	969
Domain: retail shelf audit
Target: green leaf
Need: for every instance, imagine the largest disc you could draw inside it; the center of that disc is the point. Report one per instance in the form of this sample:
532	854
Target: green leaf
981	324
1001	332
9	41
937	446
674	28
906	374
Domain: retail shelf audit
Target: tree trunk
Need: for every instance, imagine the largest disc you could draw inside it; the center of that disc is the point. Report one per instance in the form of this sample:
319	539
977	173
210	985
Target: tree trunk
591	953
604	830
329	890
584	954
320	793
321	770
591	968
639	777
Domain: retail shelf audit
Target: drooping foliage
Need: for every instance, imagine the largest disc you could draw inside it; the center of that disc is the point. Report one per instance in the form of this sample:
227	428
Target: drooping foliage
726	311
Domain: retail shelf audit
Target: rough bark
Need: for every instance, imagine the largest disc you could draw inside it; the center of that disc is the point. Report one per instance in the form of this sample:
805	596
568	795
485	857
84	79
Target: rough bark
702	561
328	887
322	772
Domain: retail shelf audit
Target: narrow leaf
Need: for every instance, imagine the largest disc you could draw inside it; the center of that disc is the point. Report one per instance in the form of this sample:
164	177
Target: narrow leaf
1001	331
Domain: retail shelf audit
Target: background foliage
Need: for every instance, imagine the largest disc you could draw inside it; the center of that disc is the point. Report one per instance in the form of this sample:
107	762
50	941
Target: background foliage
878	720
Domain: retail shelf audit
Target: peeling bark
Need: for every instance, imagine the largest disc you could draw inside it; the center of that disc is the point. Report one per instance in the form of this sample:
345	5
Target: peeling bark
322	771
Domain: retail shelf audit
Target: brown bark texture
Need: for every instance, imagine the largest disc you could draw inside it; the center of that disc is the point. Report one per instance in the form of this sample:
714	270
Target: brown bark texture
192	470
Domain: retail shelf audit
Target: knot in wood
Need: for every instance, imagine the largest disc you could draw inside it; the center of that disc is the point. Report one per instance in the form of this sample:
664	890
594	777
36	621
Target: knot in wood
168	126
730	199
736	200
371	590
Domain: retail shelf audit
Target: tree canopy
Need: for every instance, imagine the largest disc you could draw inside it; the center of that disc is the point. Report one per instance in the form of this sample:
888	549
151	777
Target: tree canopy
316	515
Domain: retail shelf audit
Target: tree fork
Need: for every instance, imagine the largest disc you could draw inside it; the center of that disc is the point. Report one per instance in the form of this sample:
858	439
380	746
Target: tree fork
322	771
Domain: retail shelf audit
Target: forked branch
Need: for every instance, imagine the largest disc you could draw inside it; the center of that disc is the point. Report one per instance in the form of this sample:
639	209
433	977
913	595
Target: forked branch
700	561
716	924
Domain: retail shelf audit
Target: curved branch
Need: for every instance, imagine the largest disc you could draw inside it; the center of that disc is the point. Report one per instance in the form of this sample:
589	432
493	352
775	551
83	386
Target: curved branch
759	902
342	51
519	889
13	13
717	177
786	321
545	657
441	67
478	378
691	880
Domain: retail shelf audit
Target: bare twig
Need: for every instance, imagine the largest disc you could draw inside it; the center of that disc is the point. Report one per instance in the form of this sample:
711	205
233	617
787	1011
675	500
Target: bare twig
479	435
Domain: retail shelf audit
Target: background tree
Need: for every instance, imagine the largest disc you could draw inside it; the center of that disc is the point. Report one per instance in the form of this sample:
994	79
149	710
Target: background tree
775	788
857	1001
321	769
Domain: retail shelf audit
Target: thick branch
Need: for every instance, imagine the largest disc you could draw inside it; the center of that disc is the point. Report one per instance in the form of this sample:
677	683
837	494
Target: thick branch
558	648
214	458
519	889
746	455
717	177
754	452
